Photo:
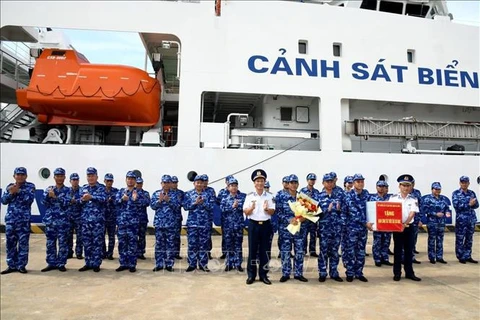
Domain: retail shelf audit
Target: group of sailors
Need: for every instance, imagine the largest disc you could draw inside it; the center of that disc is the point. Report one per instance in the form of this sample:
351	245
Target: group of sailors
97	210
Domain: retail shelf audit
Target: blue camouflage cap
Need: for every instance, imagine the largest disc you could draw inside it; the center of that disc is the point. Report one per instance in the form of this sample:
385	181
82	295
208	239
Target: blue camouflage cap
348	179
267	184
198	177
232	180
59	172
139	180
358	176
464	179
333	174
436	185
311	176
285	179
174	179
258	173
405	179
108	177
204	177
166	178
20	170
131	174
382	183
91	170
328	177
227	178
292	178
74	176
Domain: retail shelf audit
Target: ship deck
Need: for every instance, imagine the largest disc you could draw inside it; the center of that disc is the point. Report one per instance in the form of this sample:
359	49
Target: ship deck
449	291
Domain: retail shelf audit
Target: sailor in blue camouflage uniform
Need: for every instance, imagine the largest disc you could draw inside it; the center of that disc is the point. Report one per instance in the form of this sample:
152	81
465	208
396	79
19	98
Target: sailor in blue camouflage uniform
465	202
274	218
199	204
357	229
56	200
232	209
178	216
381	240
165	203
221	194
330	225
417	220
211	192
143	204
19	197
75	216
312	228
287	240
436	207
93	220
348	185
110	216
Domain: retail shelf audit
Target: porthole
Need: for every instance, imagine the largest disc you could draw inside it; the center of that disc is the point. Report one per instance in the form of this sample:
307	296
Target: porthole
383	177
478	179
44	173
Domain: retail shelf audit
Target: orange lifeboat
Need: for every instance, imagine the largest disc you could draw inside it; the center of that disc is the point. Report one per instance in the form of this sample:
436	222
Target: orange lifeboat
66	89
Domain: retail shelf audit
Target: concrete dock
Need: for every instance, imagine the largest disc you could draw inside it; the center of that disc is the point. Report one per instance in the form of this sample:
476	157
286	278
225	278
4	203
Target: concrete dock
450	291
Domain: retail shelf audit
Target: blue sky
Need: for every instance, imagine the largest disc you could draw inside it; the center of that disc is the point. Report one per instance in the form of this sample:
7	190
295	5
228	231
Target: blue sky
127	49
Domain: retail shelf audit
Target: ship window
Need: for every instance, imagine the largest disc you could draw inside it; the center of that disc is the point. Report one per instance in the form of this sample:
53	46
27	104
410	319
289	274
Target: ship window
369	4
337	49
410	56
303	114
416	10
302	46
392	7
286	113
44	173
478	179
58	53
383	177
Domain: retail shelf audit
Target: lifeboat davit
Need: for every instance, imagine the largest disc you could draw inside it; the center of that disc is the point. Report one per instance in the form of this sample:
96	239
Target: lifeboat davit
66	89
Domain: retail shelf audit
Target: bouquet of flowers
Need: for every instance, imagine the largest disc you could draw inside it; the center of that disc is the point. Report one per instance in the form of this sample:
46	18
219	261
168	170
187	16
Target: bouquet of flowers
304	207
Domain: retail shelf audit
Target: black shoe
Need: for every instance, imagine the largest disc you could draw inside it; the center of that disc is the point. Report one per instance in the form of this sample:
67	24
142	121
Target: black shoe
169	269
378	264
390	253
110	257
222	256
250	280
416	252
279	256
413	277
9	270
48	268
322	279
471	260
79	257
84	268
228	268
266	281
209	256
387	263
416	261
349	278
204	269
239	269
159	268
301	278
462	261
62	269
338	279
284	278
367	255
96	269
121	268
432	261
141	257
442	261
22	270
131	269
70	256
190	269
396	278
362	278
178	257
313	254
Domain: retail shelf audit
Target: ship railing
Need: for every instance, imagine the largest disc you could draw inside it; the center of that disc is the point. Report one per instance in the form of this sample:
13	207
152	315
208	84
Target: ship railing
14	67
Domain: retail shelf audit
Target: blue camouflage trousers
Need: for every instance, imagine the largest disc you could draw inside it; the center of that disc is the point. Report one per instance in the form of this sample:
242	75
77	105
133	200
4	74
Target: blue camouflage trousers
436	232
57	243
164	247
198	239
343	241
381	244
18	236
464	230
110	227
355	251
233	245
312	231
142	240
287	240
329	243
75	227
93	236
177	239
127	244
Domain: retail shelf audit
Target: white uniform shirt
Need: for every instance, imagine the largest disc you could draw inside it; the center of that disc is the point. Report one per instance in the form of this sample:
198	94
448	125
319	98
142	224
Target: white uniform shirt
259	214
409	204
